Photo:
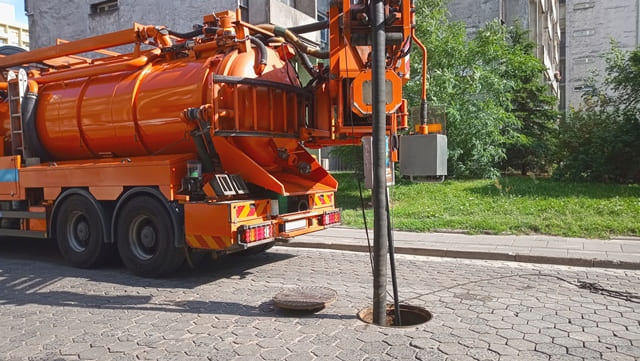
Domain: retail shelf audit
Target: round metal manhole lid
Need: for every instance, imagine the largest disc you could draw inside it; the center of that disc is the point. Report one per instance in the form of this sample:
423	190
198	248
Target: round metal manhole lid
305	298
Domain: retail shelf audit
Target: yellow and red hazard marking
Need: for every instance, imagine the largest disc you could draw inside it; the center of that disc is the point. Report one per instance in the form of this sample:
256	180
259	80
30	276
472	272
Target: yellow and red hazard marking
322	200
250	210
208	242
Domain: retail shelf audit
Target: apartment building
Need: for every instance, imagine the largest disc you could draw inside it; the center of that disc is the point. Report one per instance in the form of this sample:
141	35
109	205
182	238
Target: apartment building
590	26
53	19
541	17
11	31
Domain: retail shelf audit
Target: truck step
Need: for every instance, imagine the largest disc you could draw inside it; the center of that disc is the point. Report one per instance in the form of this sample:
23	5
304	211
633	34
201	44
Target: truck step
21	233
23	214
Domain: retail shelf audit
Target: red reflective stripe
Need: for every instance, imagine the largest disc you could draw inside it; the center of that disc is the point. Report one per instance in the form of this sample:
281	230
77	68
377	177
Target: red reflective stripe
252	211
219	242
239	210
201	240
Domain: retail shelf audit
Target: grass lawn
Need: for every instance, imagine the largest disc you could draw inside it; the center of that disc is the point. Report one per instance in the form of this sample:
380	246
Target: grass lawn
508	205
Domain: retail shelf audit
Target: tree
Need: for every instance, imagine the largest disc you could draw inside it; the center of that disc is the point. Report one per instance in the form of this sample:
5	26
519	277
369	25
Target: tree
491	87
601	142
533	105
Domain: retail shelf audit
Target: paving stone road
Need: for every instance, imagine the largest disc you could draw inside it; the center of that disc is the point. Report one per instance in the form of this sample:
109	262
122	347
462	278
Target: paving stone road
483	310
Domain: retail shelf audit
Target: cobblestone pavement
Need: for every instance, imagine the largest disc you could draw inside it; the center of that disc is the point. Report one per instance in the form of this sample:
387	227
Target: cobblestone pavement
483	310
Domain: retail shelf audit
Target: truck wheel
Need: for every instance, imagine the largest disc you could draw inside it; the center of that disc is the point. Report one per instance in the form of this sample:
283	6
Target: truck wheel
145	238
80	233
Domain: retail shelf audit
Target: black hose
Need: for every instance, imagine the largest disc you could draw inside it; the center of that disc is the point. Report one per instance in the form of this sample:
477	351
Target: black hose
211	30
262	49
292	38
30	133
306	63
392	265
189	35
308	28
408	51
318	76
424	113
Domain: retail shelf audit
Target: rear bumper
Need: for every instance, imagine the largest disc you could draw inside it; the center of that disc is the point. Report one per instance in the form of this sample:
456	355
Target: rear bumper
236	225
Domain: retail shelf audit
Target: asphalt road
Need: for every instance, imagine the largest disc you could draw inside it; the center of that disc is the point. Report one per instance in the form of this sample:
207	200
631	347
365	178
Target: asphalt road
483	310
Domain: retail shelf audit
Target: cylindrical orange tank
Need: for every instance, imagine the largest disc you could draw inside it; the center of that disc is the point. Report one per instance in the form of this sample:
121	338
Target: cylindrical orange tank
139	112
5	126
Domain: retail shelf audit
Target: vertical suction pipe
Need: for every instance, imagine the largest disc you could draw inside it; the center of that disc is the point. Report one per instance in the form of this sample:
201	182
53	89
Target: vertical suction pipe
380	235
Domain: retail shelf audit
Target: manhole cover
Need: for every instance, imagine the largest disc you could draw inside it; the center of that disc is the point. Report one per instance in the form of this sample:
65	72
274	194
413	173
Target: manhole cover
305	298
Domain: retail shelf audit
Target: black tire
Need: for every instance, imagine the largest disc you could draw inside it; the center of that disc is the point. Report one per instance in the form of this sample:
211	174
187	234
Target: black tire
80	232
7	50
146	238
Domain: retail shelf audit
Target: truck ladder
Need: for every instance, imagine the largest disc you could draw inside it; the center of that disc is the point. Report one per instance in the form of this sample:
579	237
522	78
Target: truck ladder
17	87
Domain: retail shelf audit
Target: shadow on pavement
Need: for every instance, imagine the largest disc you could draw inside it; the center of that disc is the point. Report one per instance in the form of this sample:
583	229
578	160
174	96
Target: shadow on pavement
17	297
28	266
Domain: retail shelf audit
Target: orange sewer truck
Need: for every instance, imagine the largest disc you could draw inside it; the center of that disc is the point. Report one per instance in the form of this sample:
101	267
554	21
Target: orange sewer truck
188	142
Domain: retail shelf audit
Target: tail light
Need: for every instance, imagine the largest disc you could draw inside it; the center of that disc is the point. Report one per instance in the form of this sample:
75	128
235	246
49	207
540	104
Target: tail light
329	218
254	233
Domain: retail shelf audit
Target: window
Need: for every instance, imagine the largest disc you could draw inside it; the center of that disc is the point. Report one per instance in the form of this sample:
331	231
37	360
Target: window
584	32
244	9
14	37
583	88
104	7
323	6
584	5
291	3
324	34
3	41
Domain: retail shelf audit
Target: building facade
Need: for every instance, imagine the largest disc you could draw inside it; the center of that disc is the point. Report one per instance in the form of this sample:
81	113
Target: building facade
11	31
590	26
53	19
540	17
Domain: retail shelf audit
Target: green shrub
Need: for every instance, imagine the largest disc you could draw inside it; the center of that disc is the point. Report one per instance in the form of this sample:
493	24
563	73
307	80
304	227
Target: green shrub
601	142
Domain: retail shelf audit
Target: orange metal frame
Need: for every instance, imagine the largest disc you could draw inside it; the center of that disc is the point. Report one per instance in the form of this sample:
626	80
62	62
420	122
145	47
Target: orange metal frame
122	121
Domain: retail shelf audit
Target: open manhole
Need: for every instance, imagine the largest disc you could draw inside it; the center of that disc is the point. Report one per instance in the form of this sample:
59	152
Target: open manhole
305	298
409	316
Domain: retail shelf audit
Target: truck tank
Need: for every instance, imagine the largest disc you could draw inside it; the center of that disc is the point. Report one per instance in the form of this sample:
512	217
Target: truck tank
139	112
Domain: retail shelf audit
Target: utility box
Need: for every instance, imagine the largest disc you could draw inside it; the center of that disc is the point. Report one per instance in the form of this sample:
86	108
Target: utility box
423	155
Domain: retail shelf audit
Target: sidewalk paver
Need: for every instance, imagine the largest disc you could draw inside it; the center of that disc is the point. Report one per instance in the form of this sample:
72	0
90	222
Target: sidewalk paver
583	252
482	310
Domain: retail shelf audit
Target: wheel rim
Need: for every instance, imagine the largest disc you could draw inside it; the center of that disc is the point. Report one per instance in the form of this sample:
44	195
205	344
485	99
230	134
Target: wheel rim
78	232
143	236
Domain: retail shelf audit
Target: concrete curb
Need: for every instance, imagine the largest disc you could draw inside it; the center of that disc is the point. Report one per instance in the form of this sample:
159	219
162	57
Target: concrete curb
481	255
